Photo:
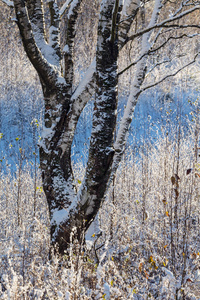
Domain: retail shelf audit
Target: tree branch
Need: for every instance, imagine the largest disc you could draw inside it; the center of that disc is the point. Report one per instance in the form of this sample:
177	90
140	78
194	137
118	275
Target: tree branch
163	23
128	15
114	21
64	8
79	99
54	31
104	117
69	47
36	17
168	76
44	69
87	81
156	49
119	144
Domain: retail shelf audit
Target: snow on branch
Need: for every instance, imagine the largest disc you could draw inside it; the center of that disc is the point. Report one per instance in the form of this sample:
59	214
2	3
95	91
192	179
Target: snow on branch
72	17
74	8
125	122
65	6
185	4
54	31
128	14
43	67
85	89
78	101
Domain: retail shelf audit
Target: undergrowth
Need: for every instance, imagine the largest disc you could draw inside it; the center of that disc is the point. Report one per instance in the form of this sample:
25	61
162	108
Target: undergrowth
148	241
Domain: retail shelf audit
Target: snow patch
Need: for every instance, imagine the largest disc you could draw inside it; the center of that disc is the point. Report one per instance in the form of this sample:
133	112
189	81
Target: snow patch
66	49
59	216
87	78
93	231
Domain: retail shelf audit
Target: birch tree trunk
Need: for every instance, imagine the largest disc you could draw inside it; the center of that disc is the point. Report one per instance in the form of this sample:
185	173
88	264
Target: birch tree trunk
68	209
101	151
63	107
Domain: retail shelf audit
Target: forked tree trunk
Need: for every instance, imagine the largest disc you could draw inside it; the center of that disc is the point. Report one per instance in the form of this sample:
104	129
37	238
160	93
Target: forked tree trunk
101	151
63	106
56	157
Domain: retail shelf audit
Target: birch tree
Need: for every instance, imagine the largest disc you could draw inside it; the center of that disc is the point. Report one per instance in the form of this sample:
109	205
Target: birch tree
71	210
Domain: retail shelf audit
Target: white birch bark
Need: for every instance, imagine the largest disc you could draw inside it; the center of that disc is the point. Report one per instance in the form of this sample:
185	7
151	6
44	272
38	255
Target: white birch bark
120	142
63	105
128	14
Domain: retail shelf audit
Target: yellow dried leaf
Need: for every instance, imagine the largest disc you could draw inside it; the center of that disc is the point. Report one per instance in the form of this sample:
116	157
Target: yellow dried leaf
151	259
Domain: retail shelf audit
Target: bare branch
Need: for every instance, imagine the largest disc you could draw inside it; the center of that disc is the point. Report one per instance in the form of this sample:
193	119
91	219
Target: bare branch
183	4
156	49
165	61
177	26
173	38
163	23
170	75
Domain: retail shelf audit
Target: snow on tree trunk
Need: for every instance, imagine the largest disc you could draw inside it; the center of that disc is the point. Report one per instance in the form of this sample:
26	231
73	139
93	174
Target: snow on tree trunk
63	107
135	90
104	120
71	212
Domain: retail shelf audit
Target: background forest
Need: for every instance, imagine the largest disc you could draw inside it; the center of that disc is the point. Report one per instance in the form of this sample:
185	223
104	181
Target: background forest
145	241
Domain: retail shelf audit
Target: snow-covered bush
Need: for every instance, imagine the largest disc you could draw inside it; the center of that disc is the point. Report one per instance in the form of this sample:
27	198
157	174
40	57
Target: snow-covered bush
149	240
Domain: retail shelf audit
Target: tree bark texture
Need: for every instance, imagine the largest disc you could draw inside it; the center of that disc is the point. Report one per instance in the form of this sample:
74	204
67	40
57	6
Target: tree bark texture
73	212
